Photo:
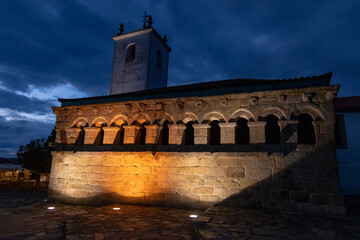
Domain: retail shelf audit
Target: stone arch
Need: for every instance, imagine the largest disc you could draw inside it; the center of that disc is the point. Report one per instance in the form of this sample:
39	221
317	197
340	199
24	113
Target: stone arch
316	112
119	120
143	118
190	116
164	117
214	116
276	111
99	121
242	113
80	122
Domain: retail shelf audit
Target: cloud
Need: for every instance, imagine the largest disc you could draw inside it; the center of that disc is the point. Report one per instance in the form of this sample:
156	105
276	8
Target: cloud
13	115
51	93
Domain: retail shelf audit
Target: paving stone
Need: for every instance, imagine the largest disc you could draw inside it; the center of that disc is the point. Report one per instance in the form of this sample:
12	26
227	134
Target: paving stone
33	221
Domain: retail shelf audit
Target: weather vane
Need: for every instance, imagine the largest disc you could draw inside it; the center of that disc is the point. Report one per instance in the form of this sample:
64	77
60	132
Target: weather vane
147	19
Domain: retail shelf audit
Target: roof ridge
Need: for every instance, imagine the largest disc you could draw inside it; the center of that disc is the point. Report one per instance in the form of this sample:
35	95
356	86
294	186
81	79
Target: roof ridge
212	84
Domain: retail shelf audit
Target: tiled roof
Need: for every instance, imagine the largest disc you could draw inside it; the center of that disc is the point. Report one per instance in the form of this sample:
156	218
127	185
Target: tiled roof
206	89
347	104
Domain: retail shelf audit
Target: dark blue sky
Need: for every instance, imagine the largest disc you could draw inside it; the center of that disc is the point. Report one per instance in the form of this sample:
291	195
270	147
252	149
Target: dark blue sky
51	49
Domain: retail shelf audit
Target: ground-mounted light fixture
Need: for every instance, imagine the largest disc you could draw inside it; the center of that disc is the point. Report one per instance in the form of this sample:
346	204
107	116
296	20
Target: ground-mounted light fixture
193	216
50	208
116	208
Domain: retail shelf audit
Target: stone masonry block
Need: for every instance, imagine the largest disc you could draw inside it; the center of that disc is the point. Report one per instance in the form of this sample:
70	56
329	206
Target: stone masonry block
236	172
203	190
258	173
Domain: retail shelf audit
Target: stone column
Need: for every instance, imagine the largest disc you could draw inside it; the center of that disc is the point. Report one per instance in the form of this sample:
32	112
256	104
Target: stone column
110	134
91	134
151	133
72	134
227	132
288	130
176	133
257	131
130	133
201	133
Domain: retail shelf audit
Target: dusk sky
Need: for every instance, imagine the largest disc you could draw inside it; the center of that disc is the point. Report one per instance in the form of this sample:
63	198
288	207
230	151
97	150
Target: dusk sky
64	49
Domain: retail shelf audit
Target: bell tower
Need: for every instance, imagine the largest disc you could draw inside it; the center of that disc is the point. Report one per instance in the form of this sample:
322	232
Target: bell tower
140	60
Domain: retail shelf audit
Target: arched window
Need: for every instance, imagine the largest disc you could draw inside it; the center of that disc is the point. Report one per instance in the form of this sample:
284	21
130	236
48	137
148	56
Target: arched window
119	139
242	132
214	133
164	134
158	59
189	133
130	53
272	130
305	129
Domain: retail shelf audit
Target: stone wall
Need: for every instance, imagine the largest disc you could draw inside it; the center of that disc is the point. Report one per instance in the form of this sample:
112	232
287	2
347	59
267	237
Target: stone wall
286	175
304	181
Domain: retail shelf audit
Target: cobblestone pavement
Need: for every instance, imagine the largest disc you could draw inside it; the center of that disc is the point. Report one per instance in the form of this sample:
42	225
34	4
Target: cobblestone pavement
24	215
226	223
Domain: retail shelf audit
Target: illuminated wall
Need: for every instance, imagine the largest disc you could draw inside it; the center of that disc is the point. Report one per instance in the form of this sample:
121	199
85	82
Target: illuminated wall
258	179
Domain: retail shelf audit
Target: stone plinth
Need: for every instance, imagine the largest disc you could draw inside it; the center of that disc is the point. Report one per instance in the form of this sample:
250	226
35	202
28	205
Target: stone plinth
176	132
227	133
72	134
151	133
201	133
257	131
91	134
110	134
130	134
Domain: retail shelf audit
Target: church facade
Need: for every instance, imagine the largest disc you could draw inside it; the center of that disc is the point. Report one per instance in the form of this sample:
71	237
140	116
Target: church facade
240	142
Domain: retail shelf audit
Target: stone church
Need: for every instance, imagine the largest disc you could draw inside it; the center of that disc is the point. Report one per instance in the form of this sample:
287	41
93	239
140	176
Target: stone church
240	142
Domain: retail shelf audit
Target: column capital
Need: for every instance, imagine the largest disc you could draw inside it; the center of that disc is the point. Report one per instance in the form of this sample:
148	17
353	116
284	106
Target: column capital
151	133
256	124
92	129
111	128
110	134
153	126
288	122
225	125
91	134
176	132
131	127
227	132
179	126
72	134
201	125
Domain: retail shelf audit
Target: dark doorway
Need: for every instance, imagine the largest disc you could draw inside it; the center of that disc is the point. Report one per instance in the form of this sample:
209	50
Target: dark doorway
242	133
189	133
306	132
214	133
272	130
